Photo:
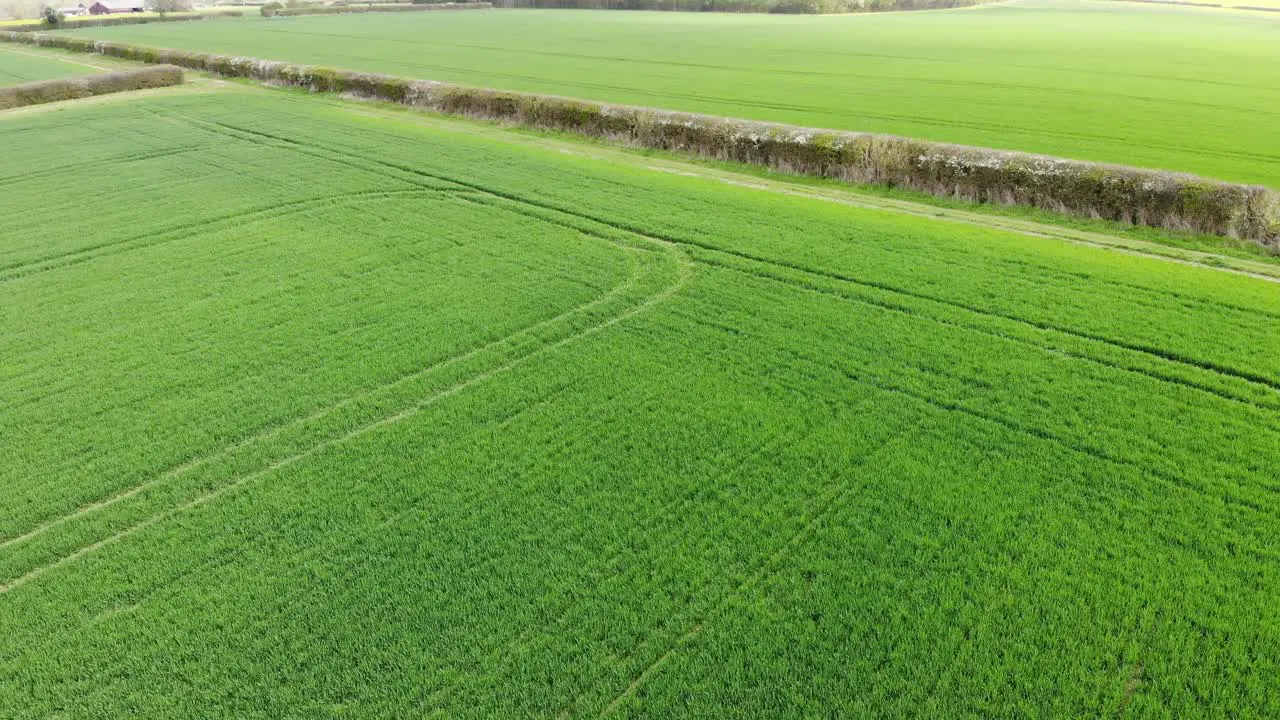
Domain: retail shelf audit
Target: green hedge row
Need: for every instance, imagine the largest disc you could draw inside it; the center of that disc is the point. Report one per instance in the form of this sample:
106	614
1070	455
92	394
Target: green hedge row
36	26
1149	197
48	91
799	7
348	9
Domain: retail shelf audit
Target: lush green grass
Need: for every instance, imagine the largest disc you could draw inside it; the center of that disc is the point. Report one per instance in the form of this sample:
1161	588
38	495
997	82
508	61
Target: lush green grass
17	66
1198	91
312	413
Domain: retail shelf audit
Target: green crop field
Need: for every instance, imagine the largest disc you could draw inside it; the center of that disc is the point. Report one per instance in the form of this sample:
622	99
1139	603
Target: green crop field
19	66
1201	93
317	409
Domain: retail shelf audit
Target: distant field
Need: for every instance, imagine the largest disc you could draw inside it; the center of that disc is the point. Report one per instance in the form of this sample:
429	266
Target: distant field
1232	4
1199	93
18	66
315	409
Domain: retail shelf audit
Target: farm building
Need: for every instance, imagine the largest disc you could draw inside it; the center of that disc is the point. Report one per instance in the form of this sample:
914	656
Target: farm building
115	7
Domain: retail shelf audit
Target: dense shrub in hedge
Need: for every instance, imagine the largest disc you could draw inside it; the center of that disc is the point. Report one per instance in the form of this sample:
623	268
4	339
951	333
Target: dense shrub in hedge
1148	197
48	91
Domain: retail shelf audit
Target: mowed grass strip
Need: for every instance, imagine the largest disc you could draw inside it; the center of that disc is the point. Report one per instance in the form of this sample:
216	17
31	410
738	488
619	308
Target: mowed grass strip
1061	78
428	422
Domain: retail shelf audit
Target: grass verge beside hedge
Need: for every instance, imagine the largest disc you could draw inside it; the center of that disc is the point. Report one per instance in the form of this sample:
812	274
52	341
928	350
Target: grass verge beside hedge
48	91
1172	201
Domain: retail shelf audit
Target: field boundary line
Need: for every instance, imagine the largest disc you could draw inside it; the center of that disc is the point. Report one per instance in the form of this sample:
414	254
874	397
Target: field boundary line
1259	270
1180	256
189	88
850	196
1211	6
1154	353
1038	433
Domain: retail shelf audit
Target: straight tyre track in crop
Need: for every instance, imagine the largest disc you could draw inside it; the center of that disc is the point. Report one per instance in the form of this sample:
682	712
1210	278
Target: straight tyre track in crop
660	524
186	231
1264	505
665	515
92	164
1158	353
1264	400
819	511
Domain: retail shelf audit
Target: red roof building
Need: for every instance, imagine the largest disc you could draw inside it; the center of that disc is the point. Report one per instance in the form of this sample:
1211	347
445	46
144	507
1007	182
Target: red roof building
116	7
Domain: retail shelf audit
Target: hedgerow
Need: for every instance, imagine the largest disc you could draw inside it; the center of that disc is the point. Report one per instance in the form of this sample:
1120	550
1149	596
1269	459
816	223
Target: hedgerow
1160	199
48	91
